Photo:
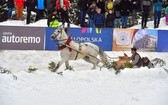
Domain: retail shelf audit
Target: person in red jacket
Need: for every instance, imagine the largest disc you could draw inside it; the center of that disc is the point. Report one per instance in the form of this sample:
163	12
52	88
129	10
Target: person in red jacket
19	8
59	4
63	7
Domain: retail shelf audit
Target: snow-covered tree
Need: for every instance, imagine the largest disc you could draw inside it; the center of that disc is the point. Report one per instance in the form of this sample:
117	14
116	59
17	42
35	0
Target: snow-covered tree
3	10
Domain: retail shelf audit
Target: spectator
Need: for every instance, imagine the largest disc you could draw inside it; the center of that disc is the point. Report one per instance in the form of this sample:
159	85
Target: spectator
60	5
65	16
50	4
157	12
19	8
40	9
101	4
99	19
145	10
126	8
110	19
83	6
108	5
11	5
89	2
135	8
63	8
53	20
166	15
91	13
117	12
136	58
30	7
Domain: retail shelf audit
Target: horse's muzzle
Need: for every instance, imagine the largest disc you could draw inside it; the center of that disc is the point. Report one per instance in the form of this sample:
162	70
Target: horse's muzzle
52	37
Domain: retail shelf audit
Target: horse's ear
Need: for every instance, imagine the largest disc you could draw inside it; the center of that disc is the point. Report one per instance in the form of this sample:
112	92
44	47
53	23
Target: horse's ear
61	26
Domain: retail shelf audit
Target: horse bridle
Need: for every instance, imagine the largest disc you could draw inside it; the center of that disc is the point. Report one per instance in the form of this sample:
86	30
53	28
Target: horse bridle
56	35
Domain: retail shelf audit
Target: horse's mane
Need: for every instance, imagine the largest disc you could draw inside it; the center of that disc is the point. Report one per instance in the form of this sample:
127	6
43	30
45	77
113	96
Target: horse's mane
66	30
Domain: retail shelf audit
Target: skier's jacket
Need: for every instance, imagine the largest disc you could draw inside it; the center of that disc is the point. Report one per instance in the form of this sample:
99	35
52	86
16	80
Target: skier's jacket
19	3
66	3
136	60
158	6
166	10
40	4
146	5
53	21
10	4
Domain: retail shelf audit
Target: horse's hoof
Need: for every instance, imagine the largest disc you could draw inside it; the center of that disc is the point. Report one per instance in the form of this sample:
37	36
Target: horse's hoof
117	72
60	73
93	68
69	68
53	70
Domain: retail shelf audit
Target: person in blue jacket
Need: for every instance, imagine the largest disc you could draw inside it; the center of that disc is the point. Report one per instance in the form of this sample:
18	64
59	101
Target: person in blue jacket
99	19
40	9
157	12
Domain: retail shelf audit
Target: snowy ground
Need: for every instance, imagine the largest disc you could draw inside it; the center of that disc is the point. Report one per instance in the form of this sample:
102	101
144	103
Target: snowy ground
80	87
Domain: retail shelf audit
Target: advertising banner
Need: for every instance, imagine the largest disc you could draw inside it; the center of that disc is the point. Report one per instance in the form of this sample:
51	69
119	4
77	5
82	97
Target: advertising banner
21	38
101	37
162	41
50	44
145	40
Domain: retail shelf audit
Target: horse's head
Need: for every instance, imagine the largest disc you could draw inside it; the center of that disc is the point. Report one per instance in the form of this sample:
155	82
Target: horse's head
57	33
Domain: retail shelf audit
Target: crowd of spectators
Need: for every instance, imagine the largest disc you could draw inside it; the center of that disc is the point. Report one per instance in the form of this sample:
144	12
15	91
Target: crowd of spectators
101	13
115	13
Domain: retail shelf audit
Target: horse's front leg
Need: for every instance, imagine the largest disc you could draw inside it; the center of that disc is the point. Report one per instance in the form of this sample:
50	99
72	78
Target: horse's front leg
68	66
59	64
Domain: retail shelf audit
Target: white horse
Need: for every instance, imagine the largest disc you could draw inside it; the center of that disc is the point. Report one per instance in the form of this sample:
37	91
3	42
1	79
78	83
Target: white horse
71	50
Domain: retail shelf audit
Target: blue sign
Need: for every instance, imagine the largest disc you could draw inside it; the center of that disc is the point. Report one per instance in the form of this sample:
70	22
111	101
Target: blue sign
162	41
50	44
101	37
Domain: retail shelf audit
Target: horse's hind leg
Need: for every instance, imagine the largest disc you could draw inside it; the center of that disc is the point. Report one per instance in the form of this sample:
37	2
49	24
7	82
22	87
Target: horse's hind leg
94	62
67	65
90	60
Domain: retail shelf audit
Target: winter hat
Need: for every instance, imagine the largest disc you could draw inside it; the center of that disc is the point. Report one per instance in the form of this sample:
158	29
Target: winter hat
133	49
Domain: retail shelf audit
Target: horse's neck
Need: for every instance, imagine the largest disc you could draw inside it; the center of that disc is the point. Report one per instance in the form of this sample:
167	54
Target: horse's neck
64	35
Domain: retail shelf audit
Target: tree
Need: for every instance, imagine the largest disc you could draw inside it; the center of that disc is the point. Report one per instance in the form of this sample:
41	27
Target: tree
74	12
3	9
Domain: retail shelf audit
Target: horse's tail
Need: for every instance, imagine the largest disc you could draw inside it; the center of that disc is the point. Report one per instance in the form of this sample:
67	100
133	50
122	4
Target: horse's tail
103	56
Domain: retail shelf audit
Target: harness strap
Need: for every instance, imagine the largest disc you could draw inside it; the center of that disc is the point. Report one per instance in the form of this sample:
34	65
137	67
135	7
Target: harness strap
61	47
64	46
79	50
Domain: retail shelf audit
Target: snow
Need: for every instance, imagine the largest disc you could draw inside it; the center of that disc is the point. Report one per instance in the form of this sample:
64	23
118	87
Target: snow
40	23
83	86
150	25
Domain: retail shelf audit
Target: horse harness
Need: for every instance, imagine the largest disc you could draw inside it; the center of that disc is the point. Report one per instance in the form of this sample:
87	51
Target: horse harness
62	46
78	52
67	44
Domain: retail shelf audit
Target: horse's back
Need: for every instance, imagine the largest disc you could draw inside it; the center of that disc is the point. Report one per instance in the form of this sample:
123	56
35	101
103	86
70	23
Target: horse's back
92	45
